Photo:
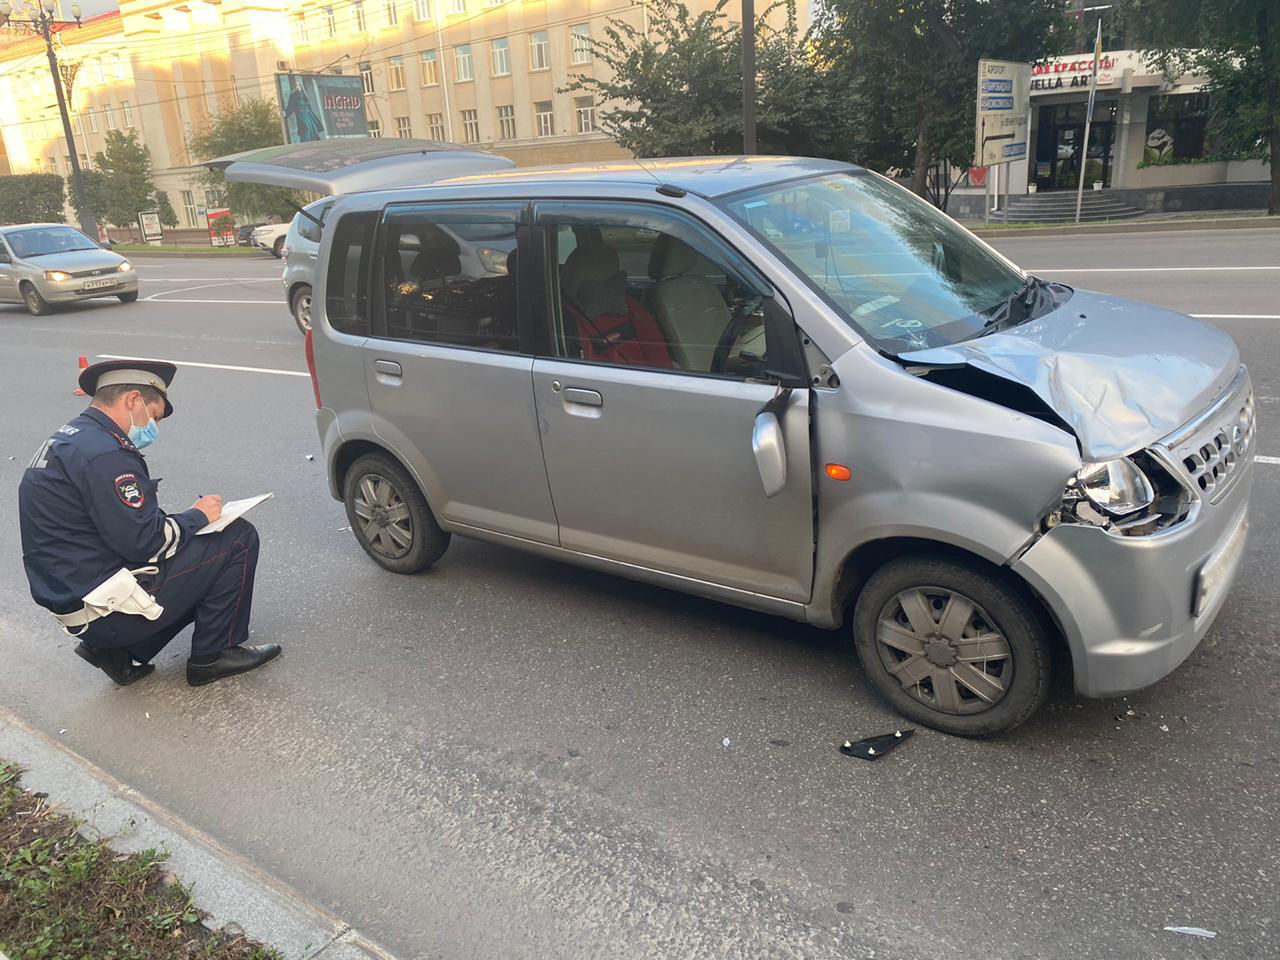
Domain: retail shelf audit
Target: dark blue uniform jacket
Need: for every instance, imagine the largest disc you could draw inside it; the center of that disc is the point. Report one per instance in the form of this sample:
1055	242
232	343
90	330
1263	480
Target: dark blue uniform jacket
87	507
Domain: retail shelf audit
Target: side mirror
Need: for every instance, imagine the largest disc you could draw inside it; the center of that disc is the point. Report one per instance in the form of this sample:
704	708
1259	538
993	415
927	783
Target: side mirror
770	448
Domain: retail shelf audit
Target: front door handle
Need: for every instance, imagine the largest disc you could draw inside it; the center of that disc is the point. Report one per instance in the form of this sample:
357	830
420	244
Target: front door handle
588	398
388	366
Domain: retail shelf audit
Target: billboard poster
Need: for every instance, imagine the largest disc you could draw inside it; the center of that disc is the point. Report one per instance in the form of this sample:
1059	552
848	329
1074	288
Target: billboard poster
149	223
222	231
321	106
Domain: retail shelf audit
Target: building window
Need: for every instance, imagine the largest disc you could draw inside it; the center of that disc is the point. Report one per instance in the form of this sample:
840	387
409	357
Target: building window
422	9
539	58
189	207
1176	128
390	15
543	120
457	7
375	130
93	121
395	73
366	74
494	3
584	109
470	127
126	112
77	123
330	23
435	126
506	123
403	128
99	75
430	68
300	30
501	60
462	62
109	112
212	200
357	16
84	161
581	43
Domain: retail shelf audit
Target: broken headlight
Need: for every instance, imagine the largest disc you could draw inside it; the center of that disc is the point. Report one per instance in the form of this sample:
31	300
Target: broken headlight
1116	487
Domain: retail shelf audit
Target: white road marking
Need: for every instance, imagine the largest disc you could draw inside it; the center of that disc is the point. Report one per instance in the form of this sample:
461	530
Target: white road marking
1136	269
194	279
278	303
1236	316
202	286
210	366
1271	460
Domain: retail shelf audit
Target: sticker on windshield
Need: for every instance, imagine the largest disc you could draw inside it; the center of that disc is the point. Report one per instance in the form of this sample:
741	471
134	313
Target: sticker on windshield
838	221
871	306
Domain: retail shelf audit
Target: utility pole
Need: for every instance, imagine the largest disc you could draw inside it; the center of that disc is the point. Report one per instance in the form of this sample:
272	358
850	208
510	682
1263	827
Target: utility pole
748	76
43	25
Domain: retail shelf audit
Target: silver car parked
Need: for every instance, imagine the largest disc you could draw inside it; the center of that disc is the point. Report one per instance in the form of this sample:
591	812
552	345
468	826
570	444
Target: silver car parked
46	264
786	384
301	244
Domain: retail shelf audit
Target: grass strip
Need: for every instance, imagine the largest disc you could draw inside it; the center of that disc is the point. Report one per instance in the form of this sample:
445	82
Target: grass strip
65	897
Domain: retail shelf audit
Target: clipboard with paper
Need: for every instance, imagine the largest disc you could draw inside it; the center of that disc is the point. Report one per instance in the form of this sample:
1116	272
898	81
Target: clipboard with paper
233	510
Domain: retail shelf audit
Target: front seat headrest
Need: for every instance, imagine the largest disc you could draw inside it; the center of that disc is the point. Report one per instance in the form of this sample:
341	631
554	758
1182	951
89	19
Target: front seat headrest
671	257
595	261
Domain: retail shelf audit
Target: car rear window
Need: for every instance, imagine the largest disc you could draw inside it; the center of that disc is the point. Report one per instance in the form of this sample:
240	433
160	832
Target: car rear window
347	285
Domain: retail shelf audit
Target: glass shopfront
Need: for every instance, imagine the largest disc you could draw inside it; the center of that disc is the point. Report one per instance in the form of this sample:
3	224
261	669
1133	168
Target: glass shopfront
1059	136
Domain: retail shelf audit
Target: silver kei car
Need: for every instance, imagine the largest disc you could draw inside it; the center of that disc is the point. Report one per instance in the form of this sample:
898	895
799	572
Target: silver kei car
783	383
44	265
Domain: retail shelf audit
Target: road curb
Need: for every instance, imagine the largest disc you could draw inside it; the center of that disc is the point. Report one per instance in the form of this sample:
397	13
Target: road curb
1118	228
224	884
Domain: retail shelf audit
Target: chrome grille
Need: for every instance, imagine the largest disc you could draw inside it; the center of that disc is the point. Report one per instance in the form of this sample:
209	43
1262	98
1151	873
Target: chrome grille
1223	443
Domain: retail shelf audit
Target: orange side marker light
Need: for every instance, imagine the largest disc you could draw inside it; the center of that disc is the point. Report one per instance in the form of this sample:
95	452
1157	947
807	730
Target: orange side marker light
837	471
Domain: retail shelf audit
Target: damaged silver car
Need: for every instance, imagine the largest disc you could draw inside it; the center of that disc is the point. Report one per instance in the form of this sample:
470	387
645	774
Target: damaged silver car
783	383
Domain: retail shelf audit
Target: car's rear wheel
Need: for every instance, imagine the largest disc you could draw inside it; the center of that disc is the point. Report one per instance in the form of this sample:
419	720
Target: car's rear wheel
129	297
277	248
300	305
952	646
390	517
36	304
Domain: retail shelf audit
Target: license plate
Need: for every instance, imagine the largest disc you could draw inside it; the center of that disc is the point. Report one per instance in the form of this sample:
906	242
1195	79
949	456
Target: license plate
1218	569
99	284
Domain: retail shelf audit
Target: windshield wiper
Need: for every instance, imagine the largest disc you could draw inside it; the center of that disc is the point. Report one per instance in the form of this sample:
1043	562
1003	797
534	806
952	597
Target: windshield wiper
1003	314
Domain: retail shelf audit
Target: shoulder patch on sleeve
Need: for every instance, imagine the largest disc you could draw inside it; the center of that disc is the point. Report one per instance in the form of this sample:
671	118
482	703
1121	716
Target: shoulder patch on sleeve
129	490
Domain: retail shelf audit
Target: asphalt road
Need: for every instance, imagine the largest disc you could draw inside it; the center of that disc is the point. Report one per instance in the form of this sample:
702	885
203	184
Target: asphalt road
507	757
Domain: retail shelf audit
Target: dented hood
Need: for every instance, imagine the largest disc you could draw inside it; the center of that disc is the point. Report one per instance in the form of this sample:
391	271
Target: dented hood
1121	374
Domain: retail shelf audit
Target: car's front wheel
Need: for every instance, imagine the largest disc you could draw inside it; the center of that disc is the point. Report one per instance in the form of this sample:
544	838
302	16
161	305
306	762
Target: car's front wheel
277	248
300	305
952	646
129	297
36	305
390	517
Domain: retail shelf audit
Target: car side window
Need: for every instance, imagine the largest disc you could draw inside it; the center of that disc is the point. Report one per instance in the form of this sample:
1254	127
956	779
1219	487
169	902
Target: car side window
636	285
309	229
347	286
448	276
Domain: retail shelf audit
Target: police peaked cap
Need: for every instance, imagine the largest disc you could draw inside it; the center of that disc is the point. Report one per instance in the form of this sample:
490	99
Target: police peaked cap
138	373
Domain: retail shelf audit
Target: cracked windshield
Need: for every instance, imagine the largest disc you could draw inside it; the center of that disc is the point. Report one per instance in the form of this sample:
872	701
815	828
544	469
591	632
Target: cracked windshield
901	273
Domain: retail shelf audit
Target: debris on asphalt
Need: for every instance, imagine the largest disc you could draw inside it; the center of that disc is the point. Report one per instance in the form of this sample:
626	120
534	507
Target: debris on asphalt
873	748
311	456
1194	932
1164	728
725	742
1131	712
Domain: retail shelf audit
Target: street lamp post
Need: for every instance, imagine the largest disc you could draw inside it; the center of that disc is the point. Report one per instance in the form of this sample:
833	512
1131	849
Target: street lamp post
748	76
43	24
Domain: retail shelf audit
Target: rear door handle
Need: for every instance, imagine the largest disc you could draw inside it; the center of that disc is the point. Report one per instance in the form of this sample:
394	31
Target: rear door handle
388	366
588	398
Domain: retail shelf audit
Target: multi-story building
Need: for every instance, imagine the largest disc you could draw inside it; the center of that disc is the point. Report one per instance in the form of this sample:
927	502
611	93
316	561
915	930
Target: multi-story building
487	72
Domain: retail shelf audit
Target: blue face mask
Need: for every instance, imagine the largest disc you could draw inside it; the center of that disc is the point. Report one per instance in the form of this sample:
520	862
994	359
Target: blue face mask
145	435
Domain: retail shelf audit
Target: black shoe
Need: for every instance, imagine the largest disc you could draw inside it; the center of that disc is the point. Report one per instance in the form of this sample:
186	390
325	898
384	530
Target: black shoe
116	664
236	660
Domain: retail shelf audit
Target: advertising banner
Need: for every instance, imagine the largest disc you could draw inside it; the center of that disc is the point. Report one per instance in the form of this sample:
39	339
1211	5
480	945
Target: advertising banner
321	106
149	224
222	231
1004	112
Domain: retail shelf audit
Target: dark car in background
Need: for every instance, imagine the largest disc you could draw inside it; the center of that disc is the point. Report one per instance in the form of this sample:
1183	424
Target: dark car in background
244	234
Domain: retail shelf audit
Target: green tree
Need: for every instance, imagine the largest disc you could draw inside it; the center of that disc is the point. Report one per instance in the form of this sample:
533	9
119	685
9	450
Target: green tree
32	198
1236	44
678	92
167	215
253	124
909	69
123	179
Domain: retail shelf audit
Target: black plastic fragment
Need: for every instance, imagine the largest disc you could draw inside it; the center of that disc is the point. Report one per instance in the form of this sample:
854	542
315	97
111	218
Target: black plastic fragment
873	748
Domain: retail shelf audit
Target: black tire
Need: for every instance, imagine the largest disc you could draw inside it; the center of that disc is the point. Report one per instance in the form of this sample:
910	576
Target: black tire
1016	661
37	305
300	307
381	536
129	297
277	248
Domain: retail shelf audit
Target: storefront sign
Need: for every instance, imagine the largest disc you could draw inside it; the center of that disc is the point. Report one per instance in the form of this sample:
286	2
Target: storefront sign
1072	72
1004	109
321	106
222	232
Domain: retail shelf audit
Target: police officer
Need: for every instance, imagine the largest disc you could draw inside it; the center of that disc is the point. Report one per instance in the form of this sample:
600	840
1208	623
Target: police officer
115	570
